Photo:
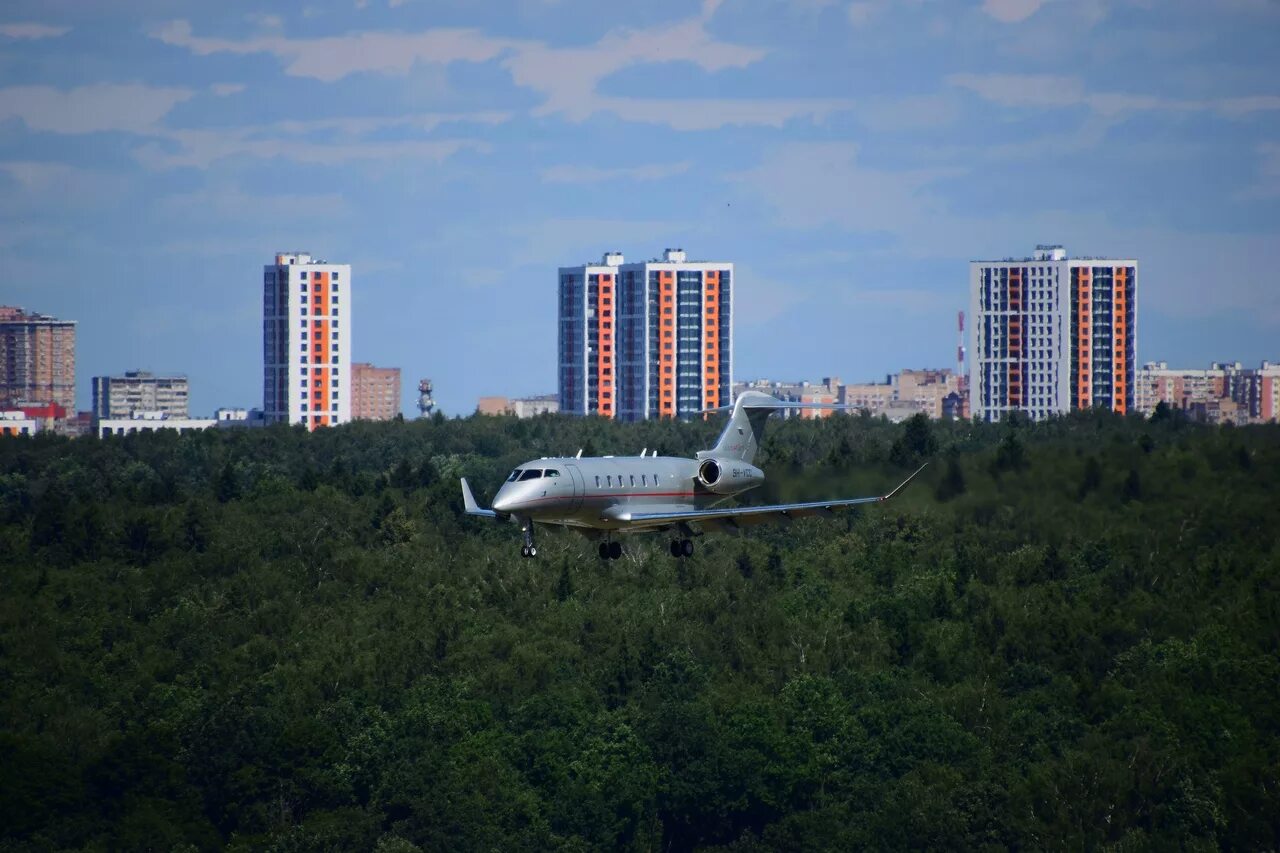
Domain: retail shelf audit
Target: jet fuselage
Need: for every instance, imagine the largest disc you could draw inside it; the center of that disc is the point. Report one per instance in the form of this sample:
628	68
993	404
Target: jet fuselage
597	492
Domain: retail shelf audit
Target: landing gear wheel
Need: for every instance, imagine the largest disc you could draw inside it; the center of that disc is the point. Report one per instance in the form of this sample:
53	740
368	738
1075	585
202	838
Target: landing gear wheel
675	548
686	548
604	550
615	550
526	530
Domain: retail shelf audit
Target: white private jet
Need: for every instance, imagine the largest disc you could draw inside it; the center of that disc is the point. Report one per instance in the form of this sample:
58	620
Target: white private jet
606	495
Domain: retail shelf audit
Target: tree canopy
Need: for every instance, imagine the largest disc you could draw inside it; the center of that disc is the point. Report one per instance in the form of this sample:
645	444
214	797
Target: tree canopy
1067	634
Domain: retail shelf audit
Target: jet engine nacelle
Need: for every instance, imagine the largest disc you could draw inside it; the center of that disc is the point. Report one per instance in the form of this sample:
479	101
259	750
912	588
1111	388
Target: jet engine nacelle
728	476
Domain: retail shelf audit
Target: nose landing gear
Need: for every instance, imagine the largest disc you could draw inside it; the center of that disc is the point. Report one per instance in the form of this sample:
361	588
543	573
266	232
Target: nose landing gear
528	549
610	550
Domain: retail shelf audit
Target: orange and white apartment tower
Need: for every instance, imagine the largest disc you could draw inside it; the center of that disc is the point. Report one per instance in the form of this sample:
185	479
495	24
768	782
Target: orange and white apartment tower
644	340
306	341
1050	334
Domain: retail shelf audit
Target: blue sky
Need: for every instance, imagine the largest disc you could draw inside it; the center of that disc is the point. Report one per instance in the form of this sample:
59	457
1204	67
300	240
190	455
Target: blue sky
849	157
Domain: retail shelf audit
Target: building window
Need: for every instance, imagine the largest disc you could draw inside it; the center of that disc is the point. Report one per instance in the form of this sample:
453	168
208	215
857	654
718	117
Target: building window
303	273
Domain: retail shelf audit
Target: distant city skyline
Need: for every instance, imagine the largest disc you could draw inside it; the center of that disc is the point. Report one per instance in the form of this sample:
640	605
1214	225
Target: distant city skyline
851	158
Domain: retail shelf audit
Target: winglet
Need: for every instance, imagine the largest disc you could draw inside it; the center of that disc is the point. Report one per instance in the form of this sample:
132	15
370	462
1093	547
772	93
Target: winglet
903	484
470	505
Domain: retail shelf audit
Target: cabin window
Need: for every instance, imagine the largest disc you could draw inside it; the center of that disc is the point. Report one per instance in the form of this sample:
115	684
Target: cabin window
515	475
597	481
551	472
531	474
644	479
633	481
609	479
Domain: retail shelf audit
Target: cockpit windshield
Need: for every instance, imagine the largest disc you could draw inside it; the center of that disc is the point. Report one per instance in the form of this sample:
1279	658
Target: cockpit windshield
531	474
515	475
551	472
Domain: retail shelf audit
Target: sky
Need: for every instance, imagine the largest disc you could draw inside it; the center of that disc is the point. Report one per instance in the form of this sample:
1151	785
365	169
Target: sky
850	158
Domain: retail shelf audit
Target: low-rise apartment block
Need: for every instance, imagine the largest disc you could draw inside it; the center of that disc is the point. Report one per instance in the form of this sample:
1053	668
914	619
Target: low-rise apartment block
116	397
937	393
1225	392
521	407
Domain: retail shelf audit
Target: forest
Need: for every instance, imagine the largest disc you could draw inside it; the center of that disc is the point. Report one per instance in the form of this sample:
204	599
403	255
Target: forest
1063	635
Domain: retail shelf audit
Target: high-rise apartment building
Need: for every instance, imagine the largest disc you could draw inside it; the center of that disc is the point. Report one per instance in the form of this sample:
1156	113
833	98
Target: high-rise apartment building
1051	333
37	359
652	339
375	392
140	391
306	341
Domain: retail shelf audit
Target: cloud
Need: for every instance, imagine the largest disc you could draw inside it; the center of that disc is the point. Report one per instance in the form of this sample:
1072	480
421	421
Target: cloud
224	89
908	112
815	184
1267	184
319	141
1022	90
201	148
43	185
221	202
132	108
32	31
335	57
1053	91
568	78
860	12
712	114
549	243
575	174
1011	11
759	300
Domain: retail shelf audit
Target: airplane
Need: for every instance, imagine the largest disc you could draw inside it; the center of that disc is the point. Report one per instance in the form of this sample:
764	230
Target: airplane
603	496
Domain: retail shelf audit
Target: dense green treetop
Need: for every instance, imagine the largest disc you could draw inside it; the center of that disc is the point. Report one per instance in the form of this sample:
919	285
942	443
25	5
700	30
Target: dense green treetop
1064	635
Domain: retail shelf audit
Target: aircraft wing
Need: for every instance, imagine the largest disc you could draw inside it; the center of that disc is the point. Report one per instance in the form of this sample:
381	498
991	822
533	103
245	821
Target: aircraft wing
731	518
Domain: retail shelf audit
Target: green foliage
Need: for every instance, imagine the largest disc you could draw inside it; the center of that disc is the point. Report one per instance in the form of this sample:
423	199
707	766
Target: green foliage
279	640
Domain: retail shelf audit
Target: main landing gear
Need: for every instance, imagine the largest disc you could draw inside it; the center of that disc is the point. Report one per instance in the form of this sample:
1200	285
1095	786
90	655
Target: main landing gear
610	550
682	547
528	549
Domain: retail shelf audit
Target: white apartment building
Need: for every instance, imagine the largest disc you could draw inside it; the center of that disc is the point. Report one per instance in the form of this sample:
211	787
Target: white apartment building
149	422
1051	333
306	330
648	339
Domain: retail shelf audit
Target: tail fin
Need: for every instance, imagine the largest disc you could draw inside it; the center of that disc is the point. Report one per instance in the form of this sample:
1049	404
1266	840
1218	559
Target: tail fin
745	430
742	435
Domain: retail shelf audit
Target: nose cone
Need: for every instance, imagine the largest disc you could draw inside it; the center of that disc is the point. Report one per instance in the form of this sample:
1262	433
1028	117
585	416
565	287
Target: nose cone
504	500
